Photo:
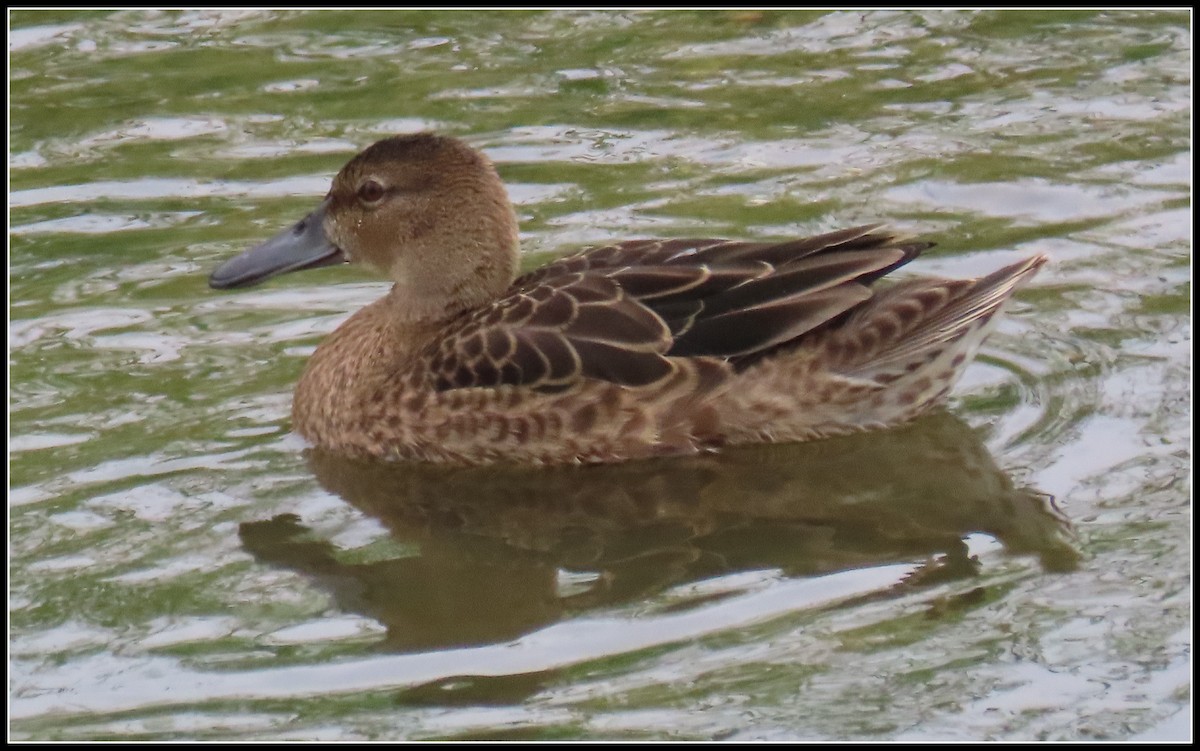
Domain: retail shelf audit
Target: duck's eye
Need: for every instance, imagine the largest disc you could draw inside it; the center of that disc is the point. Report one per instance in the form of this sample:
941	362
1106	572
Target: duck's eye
370	192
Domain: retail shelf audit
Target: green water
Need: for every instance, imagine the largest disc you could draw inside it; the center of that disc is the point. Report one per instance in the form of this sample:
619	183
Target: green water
181	567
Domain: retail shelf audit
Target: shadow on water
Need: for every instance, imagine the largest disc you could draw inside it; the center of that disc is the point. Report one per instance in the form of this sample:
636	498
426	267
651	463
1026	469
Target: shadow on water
493	543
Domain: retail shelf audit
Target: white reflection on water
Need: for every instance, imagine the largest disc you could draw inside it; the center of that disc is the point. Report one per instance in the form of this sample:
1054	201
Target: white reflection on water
100	224
158	188
1028	199
37	36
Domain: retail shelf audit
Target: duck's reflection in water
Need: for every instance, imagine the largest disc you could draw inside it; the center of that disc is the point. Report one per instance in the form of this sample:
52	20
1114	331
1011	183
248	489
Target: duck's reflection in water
500	552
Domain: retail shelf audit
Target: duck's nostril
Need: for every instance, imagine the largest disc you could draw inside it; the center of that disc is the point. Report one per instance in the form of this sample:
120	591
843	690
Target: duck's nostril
300	225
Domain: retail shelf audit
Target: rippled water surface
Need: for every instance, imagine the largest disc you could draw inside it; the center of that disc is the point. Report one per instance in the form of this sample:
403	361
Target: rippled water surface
182	567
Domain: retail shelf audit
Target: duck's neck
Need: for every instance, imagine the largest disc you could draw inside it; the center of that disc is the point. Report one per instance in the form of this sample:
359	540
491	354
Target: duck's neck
419	306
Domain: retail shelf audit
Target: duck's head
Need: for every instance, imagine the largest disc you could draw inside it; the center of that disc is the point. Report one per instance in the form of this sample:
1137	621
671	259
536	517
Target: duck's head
427	211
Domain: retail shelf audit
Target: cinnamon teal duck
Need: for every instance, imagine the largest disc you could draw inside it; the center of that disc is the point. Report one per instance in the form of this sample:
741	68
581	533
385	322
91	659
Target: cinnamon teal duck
637	349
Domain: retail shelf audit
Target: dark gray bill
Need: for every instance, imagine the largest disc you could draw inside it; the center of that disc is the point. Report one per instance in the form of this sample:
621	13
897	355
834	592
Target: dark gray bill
301	246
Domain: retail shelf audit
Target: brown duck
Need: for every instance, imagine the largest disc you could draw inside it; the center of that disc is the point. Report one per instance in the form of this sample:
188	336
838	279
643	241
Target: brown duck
642	348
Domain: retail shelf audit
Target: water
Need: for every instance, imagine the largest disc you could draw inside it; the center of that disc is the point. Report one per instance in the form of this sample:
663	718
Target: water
182	567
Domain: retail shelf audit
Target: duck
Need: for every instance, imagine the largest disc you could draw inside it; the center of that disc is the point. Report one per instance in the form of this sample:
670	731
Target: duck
636	349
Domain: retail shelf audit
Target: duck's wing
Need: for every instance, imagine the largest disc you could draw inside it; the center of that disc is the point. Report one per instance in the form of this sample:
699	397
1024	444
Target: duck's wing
619	312
549	333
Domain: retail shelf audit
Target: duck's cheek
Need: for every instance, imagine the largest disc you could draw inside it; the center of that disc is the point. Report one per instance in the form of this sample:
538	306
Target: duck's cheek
343	241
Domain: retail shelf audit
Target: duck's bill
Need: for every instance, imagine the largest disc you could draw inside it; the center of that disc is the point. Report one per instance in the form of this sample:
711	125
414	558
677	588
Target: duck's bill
301	246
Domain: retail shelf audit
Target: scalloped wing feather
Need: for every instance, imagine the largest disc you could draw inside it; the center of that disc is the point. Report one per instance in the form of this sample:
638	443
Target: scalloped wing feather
551	333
